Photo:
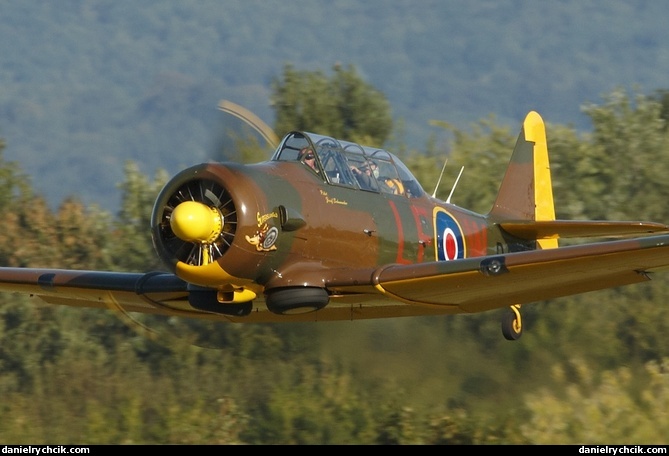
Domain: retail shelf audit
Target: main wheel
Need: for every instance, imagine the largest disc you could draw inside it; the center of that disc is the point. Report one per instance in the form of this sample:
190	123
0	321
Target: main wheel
512	326
296	300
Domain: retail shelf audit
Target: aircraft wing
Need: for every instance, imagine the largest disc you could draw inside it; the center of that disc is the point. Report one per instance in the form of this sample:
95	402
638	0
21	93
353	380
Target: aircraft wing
484	283
446	287
159	293
166	294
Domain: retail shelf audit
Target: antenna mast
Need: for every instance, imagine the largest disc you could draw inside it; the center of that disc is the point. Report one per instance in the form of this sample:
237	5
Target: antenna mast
434	193
448	200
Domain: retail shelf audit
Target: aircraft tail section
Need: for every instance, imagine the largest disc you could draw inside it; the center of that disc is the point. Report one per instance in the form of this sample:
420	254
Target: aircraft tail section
524	206
526	192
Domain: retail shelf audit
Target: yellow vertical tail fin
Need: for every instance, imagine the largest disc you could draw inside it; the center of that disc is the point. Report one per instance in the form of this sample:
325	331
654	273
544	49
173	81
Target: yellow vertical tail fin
526	192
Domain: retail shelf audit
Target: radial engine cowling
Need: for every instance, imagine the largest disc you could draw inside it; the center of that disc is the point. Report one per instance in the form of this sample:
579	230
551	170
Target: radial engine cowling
205	229
195	222
197	204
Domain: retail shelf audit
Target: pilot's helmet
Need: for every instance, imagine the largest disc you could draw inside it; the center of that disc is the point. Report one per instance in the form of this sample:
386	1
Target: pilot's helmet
372	166
306	154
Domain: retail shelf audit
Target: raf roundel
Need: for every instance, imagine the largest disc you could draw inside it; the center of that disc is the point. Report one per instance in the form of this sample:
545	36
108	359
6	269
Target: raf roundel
450	242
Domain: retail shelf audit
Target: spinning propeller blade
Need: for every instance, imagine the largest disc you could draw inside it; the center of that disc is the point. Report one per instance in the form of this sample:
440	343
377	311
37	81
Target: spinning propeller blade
251	119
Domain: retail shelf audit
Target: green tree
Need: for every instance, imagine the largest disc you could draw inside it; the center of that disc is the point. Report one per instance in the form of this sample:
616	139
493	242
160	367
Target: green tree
627	162
15	186
613	407
133	248
662	97
342	106
484	152
82	236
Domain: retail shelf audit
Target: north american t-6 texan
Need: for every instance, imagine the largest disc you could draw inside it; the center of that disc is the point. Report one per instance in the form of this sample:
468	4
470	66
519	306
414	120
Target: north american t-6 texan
327	229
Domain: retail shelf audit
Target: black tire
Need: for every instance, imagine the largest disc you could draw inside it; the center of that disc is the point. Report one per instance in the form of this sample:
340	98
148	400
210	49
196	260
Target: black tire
296	300
511	329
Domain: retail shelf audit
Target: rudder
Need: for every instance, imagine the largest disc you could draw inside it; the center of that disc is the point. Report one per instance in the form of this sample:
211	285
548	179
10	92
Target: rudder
526	191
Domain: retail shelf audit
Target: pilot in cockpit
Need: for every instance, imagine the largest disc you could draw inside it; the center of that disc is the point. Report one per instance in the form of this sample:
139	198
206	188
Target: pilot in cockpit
364	173
307	157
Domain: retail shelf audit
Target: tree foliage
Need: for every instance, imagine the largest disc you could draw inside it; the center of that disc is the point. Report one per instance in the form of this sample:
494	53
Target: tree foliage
610	407
627	165
484	152
343	106
132	228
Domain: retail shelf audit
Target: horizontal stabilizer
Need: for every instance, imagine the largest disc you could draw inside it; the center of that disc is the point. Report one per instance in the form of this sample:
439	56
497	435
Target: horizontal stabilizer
555	229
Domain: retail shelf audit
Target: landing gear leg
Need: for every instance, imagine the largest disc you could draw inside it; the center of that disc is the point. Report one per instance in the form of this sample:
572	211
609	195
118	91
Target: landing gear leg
512	325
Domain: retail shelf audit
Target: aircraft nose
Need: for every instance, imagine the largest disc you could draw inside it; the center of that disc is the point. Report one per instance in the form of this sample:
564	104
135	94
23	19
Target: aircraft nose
196	222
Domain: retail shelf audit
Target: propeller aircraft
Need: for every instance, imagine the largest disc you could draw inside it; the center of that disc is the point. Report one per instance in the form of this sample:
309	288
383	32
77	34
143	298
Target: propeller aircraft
355	236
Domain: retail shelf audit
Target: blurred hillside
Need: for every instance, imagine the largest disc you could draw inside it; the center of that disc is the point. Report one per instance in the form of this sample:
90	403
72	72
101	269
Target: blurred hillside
87	85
